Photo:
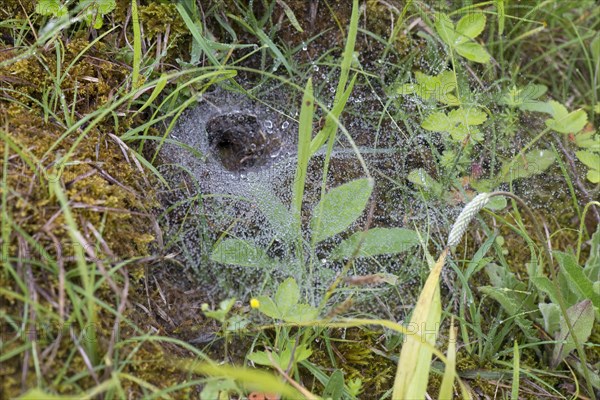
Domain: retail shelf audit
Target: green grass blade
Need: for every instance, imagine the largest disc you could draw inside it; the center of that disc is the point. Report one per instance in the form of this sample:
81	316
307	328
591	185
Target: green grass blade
516	368
137	46
341	91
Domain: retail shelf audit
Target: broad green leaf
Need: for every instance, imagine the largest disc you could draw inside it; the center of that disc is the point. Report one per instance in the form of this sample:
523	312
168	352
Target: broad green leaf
268	307
240	252
577	280
582	317
277	214
335	386
564	121
340	207
301	313
474	52
377	241
589	159
287	295
470	26
533	163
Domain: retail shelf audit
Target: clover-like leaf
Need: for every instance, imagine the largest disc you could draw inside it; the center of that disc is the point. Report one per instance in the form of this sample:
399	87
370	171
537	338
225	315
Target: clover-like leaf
470	26
460	37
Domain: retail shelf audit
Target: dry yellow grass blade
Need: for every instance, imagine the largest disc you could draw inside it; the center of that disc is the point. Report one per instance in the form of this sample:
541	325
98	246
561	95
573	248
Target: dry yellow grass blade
415	358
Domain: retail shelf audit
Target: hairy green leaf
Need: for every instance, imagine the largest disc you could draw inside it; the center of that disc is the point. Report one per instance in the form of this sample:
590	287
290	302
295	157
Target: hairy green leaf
377	241
340	207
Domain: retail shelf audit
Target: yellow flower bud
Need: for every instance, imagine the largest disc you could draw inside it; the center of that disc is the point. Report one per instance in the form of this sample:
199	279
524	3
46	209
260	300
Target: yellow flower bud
254	303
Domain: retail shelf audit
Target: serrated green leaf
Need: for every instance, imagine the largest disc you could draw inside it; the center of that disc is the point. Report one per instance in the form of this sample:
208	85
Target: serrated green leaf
287	296
468	116
268	307
437	122
377	241
470	26
582	318
240	252
474	52
340	207
589	159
